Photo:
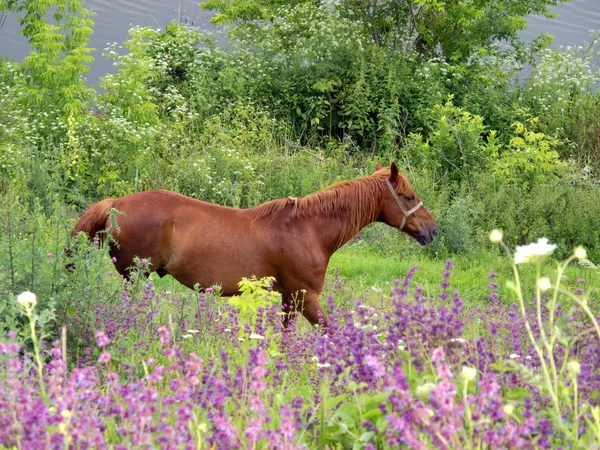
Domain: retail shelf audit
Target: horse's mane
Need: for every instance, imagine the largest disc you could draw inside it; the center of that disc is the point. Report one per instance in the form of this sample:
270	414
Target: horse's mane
354	202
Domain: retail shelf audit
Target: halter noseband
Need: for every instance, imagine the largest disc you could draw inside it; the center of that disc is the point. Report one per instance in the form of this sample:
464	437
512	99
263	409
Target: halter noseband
405	213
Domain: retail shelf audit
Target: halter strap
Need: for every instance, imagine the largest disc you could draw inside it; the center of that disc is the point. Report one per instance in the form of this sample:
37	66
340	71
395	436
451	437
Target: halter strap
405	213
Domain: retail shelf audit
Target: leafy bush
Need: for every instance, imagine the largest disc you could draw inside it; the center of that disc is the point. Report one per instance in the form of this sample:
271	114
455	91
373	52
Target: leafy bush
564	212
456	147
561	90
530	158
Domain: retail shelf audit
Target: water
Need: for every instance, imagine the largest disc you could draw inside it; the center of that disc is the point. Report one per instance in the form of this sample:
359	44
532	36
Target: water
571	27
112	21
114	17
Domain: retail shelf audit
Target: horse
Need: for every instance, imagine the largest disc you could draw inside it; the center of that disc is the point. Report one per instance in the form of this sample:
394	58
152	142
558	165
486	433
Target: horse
290	239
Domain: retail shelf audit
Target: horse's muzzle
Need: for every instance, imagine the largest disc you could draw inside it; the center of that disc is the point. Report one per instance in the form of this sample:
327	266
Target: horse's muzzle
427	236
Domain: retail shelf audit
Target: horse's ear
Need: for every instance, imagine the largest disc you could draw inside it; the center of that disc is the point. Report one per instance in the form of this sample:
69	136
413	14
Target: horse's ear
394	172
378	167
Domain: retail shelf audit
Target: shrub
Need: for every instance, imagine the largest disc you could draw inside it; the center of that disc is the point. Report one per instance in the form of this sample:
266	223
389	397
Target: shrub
530	158
561	90
565	212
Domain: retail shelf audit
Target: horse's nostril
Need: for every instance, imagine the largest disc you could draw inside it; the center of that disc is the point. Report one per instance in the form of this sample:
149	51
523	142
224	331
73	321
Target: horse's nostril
434	232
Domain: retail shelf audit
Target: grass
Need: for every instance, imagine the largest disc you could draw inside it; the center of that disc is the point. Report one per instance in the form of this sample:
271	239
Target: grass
366	268
368	274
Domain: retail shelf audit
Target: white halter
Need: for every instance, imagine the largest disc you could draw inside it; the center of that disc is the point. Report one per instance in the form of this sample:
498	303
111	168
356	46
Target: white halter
405	213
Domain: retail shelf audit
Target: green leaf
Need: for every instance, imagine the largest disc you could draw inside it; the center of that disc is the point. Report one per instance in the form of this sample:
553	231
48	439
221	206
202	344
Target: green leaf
517	393
375	400
331	403
366	437
500	367
348	414
372	413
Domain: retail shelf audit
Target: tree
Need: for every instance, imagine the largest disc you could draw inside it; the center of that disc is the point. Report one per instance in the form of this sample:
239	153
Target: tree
60	57
449	28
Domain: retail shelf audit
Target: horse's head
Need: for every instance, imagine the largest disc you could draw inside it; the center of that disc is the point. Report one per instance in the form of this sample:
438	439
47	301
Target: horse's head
402	209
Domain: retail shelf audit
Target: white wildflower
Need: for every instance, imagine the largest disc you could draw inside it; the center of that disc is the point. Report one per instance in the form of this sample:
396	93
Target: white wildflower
544	284
574	368
193	331
513	356
496	236
256	336
508	409
323	365
534	251
186	336
27	299
469	373
580	253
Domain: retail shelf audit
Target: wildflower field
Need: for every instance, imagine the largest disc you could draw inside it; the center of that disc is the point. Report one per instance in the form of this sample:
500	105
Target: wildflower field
486	338
410	366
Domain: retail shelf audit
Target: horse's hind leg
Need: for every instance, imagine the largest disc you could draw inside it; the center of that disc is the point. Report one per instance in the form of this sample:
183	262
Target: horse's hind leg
124	263
288	308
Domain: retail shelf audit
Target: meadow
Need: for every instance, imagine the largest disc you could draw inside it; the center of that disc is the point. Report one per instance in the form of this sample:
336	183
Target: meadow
488	337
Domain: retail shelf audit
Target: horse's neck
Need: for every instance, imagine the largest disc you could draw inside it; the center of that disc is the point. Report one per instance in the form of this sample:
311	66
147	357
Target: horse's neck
348	215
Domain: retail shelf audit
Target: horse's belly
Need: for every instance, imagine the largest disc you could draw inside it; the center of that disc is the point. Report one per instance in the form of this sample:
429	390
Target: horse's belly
224	262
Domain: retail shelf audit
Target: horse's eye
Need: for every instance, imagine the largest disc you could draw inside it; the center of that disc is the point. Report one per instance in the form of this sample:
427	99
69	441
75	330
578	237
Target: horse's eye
410	197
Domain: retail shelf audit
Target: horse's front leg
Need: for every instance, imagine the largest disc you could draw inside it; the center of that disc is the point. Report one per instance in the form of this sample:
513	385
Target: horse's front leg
313	311
308	303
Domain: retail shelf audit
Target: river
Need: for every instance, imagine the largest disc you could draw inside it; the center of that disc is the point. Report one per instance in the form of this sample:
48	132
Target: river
114	17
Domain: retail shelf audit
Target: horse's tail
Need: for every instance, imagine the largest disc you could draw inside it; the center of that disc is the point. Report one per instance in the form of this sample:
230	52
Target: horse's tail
91	223
94	219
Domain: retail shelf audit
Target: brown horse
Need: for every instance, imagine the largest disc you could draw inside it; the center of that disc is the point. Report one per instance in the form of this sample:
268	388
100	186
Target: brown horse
289	239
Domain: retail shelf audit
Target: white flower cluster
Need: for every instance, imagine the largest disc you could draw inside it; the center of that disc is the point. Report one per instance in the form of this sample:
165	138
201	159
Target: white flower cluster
534	252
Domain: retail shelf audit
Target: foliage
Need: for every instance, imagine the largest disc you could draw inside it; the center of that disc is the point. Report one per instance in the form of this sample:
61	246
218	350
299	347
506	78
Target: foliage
561	91
457	29
53	72
456	228
457	147
530	158
560	211
254	295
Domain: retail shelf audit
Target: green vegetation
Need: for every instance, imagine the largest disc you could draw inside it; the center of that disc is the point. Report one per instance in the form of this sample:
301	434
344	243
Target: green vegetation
365	270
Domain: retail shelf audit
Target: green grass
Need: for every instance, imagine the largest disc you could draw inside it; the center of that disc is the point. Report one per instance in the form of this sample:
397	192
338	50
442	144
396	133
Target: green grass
369	275
365	268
